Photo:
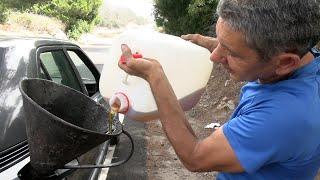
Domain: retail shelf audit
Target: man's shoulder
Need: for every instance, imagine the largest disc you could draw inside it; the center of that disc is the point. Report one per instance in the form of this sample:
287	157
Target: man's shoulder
280	101
254	93
302	89
282	104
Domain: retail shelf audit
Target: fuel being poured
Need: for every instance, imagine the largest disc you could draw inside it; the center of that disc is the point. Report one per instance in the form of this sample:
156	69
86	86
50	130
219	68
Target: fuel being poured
115	106
111	117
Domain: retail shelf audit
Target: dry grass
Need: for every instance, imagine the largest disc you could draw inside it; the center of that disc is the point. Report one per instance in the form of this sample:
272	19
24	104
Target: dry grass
32	24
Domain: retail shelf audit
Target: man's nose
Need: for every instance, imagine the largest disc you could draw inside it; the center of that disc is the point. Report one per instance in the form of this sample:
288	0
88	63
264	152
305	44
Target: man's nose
219	55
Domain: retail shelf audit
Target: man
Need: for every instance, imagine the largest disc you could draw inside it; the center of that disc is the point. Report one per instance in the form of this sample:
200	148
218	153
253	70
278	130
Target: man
274	133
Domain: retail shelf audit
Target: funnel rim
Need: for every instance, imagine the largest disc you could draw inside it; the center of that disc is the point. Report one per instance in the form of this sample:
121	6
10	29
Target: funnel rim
52	115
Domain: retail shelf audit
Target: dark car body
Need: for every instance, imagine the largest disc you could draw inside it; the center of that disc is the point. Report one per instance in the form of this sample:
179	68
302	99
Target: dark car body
57	60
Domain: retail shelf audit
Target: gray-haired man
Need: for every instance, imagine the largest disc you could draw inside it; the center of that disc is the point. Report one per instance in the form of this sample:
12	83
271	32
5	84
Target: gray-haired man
275	131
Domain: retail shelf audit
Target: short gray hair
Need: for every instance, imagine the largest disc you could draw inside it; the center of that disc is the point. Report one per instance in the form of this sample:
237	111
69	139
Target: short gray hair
274	26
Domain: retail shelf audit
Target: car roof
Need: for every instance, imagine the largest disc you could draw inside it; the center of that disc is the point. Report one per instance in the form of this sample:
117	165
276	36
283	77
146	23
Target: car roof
6	41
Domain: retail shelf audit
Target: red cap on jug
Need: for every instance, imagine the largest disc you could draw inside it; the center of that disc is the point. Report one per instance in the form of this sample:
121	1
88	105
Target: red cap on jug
124	60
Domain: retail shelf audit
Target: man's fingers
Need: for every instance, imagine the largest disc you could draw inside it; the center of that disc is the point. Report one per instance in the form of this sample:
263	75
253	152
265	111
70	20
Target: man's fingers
126	54
187	37
126	51
191	37
184	37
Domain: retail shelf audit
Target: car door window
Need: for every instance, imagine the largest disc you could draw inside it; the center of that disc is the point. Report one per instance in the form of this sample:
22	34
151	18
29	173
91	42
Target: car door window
59	68
86	75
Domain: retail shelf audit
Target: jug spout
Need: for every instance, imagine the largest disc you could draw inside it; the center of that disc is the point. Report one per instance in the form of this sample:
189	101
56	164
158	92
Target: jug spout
119	102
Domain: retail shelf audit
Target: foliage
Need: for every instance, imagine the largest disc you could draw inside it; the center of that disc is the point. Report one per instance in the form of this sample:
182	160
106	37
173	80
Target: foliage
78	15
4	12
22	5
185	16
78	28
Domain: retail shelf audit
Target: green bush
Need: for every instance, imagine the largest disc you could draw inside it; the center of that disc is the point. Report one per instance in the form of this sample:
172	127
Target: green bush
78	15
17	5
4	13
79	28
21	4
186	16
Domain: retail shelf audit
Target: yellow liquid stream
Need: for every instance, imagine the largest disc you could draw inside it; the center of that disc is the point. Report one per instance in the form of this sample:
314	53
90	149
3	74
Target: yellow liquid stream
112	114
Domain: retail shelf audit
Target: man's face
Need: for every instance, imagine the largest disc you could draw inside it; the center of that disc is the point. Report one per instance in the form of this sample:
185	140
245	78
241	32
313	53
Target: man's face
233	53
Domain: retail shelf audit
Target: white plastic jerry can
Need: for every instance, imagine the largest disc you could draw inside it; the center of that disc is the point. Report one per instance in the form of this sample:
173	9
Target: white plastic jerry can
186	65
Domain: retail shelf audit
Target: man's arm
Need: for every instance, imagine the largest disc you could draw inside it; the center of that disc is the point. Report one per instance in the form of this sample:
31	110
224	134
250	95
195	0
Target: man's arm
212	153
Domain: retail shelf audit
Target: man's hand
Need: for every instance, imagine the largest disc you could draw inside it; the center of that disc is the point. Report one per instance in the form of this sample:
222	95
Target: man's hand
142	67
209	43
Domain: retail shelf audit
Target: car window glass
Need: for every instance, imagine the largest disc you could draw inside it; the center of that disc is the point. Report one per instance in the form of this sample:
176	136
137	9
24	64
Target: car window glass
59	68
42	74
85	73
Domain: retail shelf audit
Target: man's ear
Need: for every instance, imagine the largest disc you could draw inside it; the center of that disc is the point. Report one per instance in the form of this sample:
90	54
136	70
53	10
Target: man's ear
287	63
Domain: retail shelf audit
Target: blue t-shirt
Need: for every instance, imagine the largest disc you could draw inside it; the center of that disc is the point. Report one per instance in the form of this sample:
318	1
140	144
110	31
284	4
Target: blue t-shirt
275	130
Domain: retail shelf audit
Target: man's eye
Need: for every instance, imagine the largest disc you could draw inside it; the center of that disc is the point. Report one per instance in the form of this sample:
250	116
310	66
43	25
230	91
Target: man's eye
233	55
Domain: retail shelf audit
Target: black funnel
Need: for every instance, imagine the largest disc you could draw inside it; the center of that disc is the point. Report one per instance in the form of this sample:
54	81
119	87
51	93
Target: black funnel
61	124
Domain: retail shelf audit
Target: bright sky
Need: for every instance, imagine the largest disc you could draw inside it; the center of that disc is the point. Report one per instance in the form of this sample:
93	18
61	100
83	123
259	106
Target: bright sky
140	7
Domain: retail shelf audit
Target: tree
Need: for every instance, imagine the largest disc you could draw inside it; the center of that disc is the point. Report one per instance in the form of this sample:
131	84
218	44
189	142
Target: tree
3	13
21	4
185	16
78	15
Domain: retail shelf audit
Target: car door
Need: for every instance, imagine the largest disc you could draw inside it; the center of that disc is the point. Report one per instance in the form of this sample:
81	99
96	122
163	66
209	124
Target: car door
70	66
55	66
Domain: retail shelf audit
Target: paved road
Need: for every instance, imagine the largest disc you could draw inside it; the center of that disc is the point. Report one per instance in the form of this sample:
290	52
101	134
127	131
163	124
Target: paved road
135	168
96	52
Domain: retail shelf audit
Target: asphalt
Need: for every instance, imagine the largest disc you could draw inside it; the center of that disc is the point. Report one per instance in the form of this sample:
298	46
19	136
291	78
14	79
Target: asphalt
135	168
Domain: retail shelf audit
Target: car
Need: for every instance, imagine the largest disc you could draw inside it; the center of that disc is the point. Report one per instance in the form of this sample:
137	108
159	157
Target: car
60	61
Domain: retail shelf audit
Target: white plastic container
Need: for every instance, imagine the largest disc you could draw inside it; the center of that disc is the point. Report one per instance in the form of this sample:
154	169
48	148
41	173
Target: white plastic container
186	65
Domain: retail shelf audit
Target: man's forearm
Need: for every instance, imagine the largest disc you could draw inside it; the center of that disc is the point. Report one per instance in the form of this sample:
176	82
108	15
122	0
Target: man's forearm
174	122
